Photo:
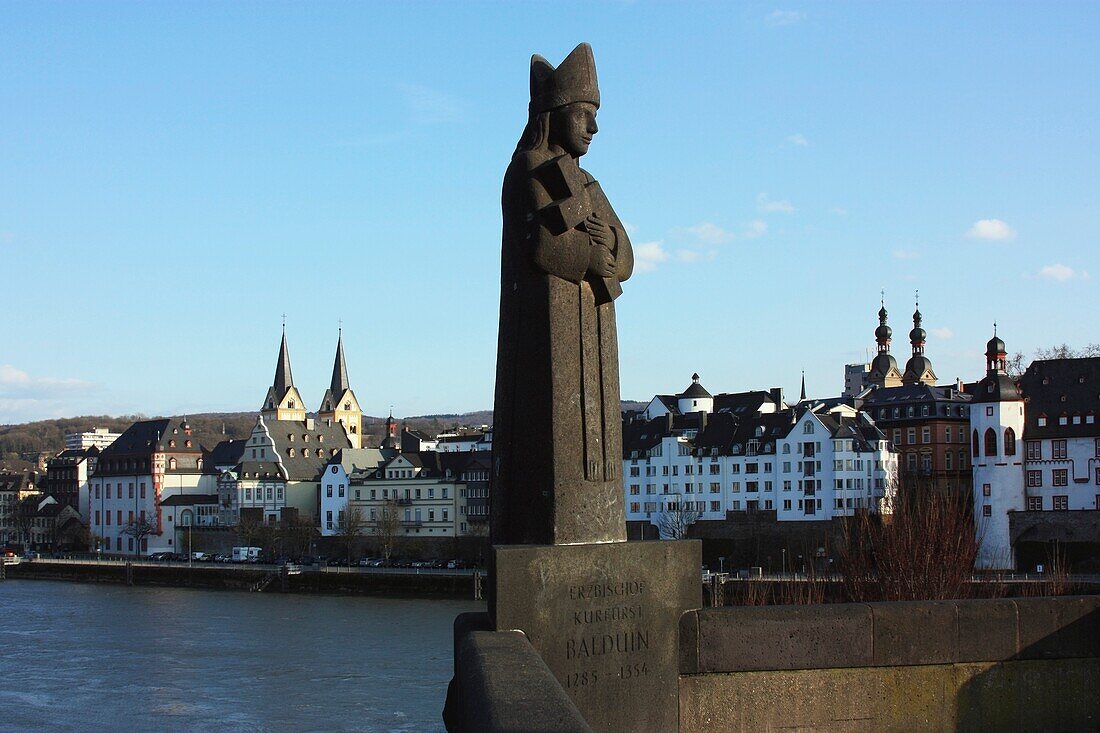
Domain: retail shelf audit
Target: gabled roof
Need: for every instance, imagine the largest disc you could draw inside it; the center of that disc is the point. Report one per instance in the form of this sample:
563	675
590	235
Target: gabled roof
148	436
322	437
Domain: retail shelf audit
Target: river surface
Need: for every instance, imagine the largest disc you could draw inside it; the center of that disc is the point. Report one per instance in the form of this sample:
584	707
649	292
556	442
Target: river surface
88	657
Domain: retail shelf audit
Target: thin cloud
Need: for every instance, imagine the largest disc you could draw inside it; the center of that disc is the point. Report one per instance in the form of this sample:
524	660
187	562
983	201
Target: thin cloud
767	205
798	139
649	255
784	17
1061	273
712	234
941	333
993	230
905	254
755	228
16	383
687	255
838	211
429	106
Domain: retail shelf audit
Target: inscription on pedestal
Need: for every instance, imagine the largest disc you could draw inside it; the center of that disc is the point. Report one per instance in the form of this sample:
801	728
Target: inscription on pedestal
605	618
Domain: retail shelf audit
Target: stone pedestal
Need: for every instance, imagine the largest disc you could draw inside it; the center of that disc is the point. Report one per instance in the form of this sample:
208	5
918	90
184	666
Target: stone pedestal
605	619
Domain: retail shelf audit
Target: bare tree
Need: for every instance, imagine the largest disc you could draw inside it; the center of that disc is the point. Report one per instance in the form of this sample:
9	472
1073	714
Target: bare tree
1065	351
677	517
386	526
350	526
1015	365
140	529
296	536
26	510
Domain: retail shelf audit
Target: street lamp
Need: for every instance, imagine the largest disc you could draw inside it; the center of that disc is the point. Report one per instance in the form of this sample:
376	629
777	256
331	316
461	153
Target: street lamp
784	566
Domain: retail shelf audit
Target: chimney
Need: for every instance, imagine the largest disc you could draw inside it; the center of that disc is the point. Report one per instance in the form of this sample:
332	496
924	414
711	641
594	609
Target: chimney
777	397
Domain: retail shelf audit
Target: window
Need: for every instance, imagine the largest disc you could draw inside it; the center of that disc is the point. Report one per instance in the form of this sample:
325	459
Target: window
990	442
715	487
1034	449
926	434
752	486
911	435
897	436
328	490
1034	479
911	461
974	445
1058	449
1061	477
947	460
786	505
808	427
172	464
341	490
989	411
987	510
716	506
1035	503
1061	503
328	520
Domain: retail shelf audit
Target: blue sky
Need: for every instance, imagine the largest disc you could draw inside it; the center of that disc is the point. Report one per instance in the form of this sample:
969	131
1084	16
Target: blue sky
176	176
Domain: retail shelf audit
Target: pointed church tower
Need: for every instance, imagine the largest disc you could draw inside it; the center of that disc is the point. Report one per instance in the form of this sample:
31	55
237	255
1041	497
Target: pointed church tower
884	370
339	404
283	401
918	370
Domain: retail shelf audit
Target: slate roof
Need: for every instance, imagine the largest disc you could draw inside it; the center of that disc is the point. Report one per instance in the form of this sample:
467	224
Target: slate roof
227	452
322	436
190	500
1057	388
946	402
258	469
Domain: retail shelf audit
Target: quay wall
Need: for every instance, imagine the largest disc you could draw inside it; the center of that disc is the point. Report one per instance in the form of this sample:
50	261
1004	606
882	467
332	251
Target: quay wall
250	577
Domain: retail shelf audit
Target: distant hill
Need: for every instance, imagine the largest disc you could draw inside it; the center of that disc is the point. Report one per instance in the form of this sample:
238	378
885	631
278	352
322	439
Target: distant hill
33	438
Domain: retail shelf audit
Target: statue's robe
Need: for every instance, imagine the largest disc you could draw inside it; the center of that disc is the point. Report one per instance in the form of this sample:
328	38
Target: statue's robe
557	434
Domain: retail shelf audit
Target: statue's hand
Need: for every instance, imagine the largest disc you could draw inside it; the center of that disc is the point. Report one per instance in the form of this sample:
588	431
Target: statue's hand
601	262
599	231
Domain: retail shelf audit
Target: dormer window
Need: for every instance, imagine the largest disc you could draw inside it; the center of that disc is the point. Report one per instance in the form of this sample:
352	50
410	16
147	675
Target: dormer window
171	443
172	464
305	438
187	443
290	452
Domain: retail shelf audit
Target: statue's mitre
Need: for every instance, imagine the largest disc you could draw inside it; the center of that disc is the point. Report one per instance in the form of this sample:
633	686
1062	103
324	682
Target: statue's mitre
573	81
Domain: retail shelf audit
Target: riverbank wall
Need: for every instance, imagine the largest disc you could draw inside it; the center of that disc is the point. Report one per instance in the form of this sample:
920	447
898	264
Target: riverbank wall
258	578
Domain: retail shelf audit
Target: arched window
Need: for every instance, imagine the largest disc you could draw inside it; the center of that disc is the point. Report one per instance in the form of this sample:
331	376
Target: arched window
990	442
1010	442
974	445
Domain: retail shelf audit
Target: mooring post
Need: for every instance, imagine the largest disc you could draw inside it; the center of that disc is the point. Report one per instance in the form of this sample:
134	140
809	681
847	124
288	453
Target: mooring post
129	573
477	585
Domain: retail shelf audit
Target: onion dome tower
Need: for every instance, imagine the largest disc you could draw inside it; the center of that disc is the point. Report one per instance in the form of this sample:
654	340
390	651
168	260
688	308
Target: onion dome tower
996	430
918	370
884	370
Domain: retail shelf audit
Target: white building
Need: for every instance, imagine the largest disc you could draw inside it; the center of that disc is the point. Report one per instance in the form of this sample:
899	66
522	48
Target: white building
996	424
97	437
150	462
749	452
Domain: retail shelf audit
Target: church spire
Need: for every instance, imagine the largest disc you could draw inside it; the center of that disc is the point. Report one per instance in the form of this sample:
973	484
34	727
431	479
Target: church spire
340	382
802	396
284	380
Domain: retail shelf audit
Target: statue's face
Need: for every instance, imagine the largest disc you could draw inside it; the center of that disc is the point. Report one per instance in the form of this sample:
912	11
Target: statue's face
573	126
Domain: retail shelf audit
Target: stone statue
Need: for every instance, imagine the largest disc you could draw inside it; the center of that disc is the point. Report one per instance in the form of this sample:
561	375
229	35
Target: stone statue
557	438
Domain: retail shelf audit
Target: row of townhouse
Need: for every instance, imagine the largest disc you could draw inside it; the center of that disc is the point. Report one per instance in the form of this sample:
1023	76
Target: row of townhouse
426	494
744	452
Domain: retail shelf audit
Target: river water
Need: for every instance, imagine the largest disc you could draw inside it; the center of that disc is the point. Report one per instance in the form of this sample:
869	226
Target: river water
82	657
